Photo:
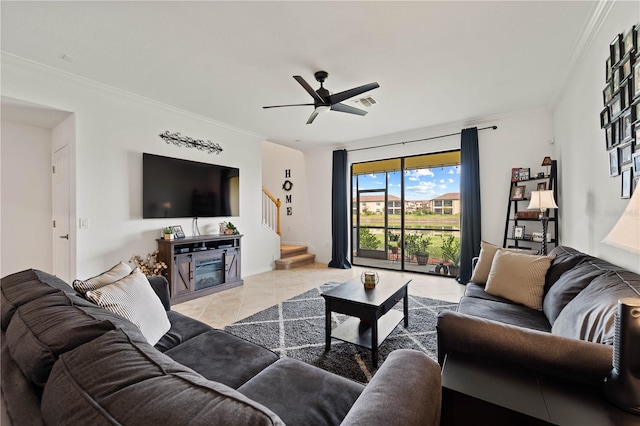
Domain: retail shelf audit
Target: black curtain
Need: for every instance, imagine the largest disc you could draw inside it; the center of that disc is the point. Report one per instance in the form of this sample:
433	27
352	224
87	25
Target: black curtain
470	218
339	211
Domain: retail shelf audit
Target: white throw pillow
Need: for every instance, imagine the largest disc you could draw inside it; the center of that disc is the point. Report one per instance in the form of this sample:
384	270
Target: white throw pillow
133	298
114	274
518	277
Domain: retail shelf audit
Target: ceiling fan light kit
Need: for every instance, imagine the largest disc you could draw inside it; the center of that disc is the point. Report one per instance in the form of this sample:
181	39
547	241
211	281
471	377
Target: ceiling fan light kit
324	101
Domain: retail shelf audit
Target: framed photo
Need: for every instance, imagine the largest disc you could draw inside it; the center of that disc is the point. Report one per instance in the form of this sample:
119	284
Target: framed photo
177	231
615	106
542	186
517	192
515	174
605	118
636	39
608	134
634	185
615	132
625	191
625	126
614	165
625	67
524	174
616	79
607	93
635	112
628	42
636	80
607	70
625	95
635	158
518	232
616	49
625	154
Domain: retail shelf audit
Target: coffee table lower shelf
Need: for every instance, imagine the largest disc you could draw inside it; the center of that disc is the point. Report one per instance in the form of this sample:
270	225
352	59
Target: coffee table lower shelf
355	331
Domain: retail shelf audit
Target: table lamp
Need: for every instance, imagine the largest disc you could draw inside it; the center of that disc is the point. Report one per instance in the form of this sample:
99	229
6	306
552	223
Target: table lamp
546	162
543	200
622	386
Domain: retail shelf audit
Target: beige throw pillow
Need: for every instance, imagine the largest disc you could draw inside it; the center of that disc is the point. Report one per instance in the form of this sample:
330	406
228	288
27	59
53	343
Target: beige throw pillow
481	271
518	277
114	274
133	298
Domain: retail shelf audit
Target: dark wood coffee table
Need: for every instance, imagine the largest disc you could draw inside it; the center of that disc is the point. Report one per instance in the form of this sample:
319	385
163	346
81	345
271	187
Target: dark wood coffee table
373	317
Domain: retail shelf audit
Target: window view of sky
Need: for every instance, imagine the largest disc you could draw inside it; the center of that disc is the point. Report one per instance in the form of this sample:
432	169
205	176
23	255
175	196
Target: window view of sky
420	184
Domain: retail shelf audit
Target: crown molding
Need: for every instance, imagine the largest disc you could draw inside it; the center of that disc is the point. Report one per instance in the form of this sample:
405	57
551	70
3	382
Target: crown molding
58	73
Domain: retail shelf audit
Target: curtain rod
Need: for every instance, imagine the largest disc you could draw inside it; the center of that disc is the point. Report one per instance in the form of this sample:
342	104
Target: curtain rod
417	140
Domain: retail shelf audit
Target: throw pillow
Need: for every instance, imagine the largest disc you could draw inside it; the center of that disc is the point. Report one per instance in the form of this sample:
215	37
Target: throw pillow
518	277
114	274
481	271
133	298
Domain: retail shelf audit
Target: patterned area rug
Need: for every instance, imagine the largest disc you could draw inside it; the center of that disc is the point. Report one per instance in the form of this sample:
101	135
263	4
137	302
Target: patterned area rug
295	329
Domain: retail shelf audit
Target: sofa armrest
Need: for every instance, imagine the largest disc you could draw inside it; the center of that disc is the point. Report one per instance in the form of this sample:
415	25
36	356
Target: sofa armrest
532	349
406	390
160	285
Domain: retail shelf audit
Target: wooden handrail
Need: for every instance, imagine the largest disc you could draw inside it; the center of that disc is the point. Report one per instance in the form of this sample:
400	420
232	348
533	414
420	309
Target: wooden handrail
277	203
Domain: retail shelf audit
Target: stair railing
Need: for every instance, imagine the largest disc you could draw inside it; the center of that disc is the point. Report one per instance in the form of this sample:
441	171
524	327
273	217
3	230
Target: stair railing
271	211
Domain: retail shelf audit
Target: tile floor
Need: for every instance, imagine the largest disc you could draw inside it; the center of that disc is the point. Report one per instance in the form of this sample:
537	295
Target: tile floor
263	290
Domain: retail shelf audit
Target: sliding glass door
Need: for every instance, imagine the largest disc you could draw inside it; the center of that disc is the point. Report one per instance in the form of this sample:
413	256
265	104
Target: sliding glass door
406	213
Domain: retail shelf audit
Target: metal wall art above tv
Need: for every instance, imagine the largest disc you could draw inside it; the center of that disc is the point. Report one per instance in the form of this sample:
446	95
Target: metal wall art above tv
172	187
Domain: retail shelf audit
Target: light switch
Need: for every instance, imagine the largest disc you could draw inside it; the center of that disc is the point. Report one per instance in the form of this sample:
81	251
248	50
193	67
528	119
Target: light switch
84	222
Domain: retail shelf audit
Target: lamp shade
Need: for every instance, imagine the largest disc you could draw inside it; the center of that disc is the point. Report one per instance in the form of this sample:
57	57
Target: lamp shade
626	232
542	200
546	161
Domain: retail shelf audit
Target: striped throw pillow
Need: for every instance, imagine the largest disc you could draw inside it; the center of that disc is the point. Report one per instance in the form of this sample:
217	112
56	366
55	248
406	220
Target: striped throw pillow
114	274
133	298
519	277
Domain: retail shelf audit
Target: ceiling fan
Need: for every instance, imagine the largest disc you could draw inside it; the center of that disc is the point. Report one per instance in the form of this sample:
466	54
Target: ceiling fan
324	101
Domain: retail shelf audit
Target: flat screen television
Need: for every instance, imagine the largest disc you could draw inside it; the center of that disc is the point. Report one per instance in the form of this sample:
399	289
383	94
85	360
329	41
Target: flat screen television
172	187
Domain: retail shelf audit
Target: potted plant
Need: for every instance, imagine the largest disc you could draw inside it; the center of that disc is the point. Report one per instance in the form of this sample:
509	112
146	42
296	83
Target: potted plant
422	254
451	252
411	245
168	233
231	229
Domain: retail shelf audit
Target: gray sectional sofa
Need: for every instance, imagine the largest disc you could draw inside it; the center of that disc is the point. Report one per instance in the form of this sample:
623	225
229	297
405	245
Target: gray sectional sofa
68	361
571	337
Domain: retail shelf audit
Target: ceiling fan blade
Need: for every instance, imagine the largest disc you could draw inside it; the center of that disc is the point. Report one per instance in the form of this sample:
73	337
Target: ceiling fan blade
339	97
309	89
313	116
347	108
281	106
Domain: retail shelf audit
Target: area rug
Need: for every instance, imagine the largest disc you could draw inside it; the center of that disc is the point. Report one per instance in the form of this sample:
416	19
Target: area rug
295	329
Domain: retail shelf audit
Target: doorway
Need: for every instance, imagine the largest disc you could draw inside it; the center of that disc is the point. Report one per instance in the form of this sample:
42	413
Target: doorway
406	213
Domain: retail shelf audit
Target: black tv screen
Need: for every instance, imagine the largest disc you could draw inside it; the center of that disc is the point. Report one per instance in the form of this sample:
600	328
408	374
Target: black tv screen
172	187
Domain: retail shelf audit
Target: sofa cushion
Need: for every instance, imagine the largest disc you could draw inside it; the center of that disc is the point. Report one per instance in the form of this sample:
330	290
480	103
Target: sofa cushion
182	329
210	354
133	298
477	291
518	277
302	394
590	315
23	287
508	313
567	287
565	259
116	379
43	329
114	274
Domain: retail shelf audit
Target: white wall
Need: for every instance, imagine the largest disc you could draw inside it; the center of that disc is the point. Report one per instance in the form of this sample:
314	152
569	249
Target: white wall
113	129
521	140
26	218
591	202
276	159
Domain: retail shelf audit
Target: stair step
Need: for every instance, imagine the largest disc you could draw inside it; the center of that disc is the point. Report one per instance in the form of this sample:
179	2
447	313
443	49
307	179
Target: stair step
295	261
289	250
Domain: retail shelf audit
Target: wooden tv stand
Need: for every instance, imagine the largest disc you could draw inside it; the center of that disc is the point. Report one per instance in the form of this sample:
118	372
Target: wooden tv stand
201	265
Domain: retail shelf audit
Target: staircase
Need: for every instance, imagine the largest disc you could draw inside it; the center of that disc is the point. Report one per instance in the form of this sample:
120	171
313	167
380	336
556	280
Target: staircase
293	256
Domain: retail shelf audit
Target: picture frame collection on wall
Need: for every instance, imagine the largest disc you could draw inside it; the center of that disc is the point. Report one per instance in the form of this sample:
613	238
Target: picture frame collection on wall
620	117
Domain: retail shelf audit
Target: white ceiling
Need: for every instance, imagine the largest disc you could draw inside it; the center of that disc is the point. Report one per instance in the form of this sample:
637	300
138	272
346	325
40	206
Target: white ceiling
436	62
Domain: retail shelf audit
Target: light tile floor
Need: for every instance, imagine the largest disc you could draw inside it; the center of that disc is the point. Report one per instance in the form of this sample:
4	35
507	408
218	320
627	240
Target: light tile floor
263	290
